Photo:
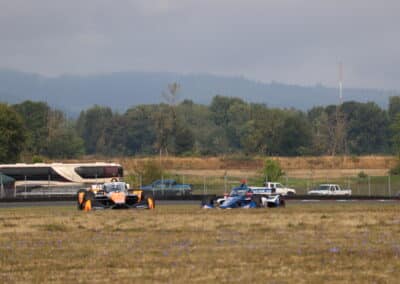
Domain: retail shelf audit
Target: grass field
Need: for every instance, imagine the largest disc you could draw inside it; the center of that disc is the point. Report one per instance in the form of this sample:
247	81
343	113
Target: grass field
306	243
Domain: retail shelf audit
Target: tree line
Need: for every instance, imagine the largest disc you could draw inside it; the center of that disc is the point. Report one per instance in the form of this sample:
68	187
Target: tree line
228	125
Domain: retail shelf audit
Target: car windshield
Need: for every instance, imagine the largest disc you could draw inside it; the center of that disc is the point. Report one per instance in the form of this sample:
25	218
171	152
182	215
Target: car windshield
323	187
114	186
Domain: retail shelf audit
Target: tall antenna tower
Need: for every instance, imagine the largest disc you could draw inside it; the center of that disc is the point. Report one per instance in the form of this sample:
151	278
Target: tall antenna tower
340	82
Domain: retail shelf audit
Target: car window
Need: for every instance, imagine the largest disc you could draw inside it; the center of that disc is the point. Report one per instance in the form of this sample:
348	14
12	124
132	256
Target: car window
278	185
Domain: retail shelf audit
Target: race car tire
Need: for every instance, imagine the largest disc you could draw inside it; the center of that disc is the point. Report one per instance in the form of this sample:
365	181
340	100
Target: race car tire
148	198
88	198
80	198
89	195
207	201
257	201
150	202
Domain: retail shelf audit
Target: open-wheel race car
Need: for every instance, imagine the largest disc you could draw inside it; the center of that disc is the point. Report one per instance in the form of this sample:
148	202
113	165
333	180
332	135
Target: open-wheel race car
113	195
244	197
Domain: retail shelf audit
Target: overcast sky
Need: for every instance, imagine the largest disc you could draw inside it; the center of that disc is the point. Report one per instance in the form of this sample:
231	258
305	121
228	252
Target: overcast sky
290	41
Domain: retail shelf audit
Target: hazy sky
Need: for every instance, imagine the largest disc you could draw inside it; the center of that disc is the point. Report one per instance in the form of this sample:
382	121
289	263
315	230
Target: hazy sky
291	41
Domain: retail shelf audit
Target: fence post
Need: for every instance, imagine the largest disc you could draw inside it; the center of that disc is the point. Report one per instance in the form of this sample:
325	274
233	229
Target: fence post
389	186
1	187
162	185
369	185
25	186
225	181
204	185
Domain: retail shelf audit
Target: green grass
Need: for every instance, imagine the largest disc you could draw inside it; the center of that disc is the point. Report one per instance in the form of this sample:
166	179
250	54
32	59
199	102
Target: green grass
306	243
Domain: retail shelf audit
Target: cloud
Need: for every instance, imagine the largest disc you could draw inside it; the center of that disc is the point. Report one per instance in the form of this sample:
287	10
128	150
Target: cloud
294	41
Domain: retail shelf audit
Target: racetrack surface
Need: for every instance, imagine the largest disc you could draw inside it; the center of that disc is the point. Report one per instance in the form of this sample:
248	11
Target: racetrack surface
196	202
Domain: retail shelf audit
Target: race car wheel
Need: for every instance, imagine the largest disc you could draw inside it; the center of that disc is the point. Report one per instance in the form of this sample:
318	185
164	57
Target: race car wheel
207	201
80	198
257	201
88	200
149	199
150	202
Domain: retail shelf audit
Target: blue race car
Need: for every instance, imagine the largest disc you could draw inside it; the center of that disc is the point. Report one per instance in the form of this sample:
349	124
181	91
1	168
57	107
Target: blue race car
244	197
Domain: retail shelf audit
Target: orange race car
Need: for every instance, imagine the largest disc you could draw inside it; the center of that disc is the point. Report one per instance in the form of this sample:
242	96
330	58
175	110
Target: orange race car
113	195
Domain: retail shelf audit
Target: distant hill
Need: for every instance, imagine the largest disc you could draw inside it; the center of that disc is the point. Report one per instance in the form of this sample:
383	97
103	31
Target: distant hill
124	89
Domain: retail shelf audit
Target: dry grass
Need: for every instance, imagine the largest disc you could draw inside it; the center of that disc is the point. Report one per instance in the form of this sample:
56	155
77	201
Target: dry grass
296	167
251	163
300	243
287	163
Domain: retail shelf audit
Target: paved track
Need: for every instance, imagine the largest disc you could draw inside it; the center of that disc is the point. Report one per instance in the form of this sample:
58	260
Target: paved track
73	203
192	202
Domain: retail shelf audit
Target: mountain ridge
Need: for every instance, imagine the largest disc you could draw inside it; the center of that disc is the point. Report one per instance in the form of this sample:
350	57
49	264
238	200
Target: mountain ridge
121	90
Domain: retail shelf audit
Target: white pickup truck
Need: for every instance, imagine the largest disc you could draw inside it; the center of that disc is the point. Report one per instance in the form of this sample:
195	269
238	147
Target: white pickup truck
329	189
277	188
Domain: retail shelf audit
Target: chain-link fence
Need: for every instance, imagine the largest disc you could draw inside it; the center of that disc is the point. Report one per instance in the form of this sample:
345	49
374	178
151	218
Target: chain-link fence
386	186
186	185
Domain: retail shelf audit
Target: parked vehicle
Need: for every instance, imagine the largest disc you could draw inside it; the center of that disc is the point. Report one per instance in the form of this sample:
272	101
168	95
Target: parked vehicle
329	189
280	188
168	187
113	195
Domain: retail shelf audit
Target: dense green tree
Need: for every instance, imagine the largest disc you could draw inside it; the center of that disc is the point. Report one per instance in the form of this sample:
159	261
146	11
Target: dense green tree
35	117
219	108
140	131
394	107
12	136
227	125
321	130
91	127
184	140
65	143
251	139
165	128
207	135
367	127
295	136
395	138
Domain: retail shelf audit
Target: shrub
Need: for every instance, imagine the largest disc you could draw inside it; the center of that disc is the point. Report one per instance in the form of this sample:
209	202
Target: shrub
37	159
362	174
395	170
272	170
149	171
